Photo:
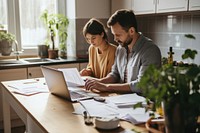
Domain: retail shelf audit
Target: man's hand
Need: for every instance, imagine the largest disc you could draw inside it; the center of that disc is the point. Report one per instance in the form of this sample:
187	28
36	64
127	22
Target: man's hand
91	84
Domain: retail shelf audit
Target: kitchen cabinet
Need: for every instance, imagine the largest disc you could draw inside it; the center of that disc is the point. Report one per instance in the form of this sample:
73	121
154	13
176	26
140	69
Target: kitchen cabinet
144	6
194	5
36	72
171	5
158	6
11	74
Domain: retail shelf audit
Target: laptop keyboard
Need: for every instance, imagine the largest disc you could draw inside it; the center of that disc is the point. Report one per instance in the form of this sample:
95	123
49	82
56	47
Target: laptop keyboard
75	95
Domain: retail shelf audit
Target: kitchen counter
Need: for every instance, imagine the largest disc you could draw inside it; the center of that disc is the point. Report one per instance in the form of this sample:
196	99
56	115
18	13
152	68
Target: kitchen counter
29	62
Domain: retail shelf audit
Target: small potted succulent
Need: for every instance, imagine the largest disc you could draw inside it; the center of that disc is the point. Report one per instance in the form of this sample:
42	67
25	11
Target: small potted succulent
6	42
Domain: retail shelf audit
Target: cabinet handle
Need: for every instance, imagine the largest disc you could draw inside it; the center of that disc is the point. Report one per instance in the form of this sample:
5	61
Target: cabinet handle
29	74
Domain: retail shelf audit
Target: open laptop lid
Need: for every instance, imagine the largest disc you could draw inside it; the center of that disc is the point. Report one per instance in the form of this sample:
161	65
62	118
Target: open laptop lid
57	85
56	82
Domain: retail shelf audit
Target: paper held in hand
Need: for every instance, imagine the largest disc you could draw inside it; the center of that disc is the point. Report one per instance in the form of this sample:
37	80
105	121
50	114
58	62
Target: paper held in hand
72	77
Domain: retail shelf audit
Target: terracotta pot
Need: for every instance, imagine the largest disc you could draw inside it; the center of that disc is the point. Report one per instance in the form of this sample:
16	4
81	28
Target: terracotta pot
5	48
53	53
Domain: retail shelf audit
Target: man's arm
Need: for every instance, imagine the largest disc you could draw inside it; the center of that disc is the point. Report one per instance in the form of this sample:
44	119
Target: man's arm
95	84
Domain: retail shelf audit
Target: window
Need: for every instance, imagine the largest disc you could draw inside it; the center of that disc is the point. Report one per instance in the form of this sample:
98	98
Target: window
23	20
3	14
32	29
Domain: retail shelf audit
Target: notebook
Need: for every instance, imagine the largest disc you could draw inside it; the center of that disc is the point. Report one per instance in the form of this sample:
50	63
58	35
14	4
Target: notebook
57	85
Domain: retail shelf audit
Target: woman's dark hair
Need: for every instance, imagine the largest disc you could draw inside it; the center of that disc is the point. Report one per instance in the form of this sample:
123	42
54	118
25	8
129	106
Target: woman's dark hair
126	18
94	27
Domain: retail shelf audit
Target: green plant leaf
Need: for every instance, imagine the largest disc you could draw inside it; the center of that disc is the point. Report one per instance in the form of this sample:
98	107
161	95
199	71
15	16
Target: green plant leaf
190	36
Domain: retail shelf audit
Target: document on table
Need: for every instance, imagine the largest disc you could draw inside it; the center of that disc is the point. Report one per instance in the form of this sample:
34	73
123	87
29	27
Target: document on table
120	106
126	99
98	109
29	87
72	77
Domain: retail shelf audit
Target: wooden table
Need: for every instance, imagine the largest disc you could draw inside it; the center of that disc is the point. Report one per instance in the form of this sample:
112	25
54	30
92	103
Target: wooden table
45	112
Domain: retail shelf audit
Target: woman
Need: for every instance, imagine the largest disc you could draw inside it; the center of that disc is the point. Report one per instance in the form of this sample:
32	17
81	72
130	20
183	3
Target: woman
101	52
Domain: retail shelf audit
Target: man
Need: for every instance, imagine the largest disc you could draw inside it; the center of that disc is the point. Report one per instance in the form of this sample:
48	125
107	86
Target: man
133	55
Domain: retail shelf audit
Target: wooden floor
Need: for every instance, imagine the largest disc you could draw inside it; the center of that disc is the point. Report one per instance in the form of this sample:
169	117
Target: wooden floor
16	130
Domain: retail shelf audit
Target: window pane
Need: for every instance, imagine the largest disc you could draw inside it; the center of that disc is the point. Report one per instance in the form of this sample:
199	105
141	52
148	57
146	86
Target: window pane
3	13
33	32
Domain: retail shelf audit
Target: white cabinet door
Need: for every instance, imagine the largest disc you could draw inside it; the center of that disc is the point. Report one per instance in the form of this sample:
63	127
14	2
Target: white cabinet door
194	5
159	6
144	6
171	5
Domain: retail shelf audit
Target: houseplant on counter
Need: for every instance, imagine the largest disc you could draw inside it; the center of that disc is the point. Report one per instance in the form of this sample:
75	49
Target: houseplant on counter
57	26
6	42
178	88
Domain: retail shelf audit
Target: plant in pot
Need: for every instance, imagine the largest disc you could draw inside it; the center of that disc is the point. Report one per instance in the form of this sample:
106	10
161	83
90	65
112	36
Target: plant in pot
6	42
57	25
178	89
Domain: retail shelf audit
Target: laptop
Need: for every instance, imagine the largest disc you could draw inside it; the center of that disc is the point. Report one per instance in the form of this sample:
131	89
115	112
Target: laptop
57	85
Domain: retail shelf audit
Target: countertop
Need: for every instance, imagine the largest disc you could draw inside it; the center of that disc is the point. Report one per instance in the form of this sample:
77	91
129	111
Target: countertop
30	62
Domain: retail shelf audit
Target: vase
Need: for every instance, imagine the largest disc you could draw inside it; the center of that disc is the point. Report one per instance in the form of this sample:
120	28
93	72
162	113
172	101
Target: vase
43	51
178	119
6	48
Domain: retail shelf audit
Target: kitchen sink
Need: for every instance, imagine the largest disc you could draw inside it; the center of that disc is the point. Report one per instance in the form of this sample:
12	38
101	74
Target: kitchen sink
33	60
4	62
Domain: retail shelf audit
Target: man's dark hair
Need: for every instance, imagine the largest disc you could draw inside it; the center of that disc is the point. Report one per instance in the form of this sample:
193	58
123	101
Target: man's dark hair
126	18
94	27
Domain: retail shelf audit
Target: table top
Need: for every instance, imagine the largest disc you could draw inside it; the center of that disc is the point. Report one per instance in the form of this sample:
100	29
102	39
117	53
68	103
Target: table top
54	114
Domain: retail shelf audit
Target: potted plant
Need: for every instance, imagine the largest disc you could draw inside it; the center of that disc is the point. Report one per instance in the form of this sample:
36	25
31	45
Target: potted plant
6	42
57	25
178	88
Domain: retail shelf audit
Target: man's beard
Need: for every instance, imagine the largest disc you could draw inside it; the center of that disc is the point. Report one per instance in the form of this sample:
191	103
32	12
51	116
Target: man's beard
126	43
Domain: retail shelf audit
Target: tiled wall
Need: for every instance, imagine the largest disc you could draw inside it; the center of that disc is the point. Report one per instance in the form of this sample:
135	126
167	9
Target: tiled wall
169	30
164	29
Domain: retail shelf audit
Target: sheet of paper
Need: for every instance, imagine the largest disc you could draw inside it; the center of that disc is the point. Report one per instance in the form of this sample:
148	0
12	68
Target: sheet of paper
29	87
98	109
126	100
72	77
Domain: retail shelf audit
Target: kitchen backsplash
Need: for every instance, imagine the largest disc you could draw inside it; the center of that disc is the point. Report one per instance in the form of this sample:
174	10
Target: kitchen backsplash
169	30
164	29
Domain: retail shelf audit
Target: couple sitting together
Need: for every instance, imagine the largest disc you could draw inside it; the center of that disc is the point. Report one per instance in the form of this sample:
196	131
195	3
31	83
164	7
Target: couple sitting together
118	68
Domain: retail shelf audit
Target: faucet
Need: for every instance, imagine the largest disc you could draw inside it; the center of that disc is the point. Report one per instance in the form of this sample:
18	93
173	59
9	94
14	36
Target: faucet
16	50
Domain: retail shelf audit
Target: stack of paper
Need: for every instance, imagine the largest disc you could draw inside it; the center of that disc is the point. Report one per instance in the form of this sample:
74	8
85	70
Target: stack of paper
120	106
126	100
29	87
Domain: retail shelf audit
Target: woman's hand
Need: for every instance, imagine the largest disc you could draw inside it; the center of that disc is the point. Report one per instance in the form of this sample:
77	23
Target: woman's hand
86	72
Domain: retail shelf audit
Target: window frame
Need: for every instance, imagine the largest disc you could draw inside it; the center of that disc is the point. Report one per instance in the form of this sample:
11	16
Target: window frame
13	19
